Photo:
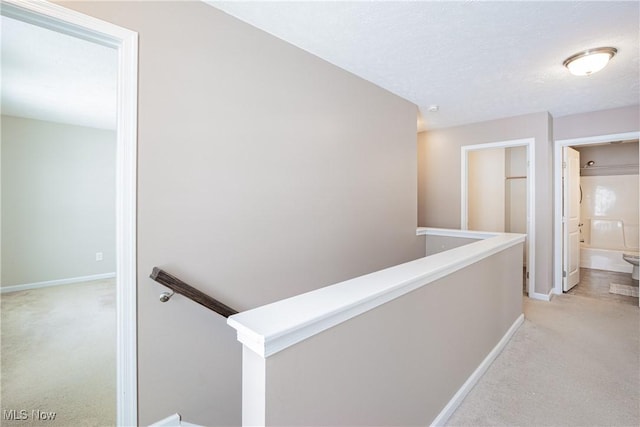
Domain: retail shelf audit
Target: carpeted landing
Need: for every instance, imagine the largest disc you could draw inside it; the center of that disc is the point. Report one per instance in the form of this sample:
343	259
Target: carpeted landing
58	355
574	362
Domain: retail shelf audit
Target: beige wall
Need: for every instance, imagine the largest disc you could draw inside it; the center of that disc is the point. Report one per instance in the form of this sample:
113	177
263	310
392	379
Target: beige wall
604	122
58	201
439	185
436	244
516	190
486	190
400	363
263	172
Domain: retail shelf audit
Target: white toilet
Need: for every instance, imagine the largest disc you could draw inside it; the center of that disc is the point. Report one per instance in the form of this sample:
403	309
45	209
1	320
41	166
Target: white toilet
632	258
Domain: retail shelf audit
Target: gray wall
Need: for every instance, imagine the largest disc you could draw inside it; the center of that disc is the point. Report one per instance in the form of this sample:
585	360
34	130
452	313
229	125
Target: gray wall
398	364
437	244
58	201
439	184
263	172
604	122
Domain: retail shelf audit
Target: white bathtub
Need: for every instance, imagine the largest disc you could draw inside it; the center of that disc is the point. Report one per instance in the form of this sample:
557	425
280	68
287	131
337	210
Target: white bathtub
605	240
603	259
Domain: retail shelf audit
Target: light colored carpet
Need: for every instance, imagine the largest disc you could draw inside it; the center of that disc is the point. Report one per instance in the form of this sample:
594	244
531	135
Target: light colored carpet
573	362
58	354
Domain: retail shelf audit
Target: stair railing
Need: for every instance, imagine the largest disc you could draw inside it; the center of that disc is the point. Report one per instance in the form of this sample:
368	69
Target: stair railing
180	287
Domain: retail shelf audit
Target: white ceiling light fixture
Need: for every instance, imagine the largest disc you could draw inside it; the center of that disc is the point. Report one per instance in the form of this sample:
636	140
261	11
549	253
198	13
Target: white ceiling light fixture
589	61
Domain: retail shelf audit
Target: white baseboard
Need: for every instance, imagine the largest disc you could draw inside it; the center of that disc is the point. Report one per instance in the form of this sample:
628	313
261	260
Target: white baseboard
174	420
457	399
542	297
58	282
171	421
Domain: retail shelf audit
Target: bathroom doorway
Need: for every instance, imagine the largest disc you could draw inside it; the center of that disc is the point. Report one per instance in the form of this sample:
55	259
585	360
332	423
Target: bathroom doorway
497	194
608	200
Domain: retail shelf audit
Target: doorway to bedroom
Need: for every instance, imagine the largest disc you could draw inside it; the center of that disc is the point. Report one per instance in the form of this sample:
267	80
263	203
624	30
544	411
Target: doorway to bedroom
68	217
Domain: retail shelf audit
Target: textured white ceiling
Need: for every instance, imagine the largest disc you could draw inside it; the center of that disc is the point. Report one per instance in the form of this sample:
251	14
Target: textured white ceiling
50	76
476	60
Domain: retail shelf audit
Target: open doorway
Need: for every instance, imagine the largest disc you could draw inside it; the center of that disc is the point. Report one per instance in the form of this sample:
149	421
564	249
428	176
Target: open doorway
58	268
608	214
45	247
497	194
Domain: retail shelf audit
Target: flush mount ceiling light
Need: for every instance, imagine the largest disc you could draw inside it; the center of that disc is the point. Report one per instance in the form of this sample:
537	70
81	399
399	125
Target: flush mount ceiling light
589	61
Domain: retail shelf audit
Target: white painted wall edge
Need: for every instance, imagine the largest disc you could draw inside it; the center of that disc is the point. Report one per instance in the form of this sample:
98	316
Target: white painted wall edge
468	385
541	297
170	421
58	282
174	420
450	232
271	328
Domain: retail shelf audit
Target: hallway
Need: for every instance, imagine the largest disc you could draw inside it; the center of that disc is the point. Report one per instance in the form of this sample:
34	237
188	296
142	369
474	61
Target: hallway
574	362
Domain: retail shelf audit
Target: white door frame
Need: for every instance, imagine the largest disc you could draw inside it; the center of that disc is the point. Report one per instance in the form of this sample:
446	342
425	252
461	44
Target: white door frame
60	19
557	193
531	200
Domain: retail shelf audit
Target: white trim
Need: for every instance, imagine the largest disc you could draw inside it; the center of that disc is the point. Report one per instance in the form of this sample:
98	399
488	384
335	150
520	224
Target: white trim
541	297
271	328
451	232
174	420
57	282
598	139
68	21
531	196
457	398
557	193
170	421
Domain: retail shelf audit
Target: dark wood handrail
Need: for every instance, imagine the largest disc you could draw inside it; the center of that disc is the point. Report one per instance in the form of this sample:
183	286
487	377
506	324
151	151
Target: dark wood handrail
180	287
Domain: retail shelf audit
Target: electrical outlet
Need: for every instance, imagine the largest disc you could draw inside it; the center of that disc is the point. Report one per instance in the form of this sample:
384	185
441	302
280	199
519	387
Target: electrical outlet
98	256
